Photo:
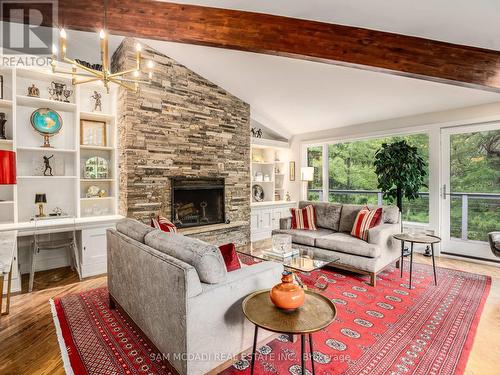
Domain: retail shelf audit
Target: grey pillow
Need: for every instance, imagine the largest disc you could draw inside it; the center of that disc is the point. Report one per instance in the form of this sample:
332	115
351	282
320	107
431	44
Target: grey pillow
390	214
133	229
348	216
205	258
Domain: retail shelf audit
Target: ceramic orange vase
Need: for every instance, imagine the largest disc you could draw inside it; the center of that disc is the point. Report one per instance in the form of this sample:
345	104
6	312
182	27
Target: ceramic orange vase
287	295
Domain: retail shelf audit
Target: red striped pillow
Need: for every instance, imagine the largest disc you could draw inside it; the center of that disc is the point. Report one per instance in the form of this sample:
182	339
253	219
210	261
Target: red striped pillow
163	224
304	218
365	220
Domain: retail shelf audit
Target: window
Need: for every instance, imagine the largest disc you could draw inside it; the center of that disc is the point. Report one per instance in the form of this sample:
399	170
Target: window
474	184
352	178
315	187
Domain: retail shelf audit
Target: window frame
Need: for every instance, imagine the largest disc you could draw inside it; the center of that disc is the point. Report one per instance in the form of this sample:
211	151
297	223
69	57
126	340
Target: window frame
433	168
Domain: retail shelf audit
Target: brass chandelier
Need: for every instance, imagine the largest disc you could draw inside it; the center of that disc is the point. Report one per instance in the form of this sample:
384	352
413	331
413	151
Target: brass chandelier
81	73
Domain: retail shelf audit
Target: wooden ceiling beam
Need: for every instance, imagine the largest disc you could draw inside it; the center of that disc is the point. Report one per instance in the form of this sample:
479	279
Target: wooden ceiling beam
282	36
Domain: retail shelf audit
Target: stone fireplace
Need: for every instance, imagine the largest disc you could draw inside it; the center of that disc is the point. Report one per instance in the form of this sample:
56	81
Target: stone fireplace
179	130
197	201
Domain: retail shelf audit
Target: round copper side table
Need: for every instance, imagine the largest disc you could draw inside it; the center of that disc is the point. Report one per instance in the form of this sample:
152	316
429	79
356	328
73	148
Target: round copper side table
426	239
317	313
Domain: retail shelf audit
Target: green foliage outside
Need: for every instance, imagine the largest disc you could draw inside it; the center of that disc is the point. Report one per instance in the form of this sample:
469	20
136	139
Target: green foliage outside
351	167
475	168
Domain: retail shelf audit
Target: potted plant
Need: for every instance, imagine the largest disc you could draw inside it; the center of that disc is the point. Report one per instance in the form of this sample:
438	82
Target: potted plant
400	170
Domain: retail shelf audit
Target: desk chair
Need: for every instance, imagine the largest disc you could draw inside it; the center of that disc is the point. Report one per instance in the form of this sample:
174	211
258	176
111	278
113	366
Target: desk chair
43	242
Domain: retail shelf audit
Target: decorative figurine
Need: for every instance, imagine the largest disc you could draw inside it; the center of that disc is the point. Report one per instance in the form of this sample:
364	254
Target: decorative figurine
256	132
34	91
103	193
67	93
288	196
2	126
48	168
56	212
97	101
93	191
56	90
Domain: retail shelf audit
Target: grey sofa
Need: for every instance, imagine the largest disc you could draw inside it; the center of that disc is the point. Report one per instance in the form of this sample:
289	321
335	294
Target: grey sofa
177	290
332	240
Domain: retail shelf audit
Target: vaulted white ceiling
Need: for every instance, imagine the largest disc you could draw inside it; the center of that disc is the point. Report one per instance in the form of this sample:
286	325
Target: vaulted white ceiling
295	96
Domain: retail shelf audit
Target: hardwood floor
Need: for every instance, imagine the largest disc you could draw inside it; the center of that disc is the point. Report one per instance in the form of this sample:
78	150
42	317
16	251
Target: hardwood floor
28	343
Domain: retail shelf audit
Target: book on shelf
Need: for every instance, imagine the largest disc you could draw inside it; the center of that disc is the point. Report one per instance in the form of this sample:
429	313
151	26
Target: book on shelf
277	254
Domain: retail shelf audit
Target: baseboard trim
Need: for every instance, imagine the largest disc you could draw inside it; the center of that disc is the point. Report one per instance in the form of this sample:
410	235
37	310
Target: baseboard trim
471	257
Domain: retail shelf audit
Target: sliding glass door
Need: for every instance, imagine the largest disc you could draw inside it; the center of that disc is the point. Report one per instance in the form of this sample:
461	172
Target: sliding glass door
470	190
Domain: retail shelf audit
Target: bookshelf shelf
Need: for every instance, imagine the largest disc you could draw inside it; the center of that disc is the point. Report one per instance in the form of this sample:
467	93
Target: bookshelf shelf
66	189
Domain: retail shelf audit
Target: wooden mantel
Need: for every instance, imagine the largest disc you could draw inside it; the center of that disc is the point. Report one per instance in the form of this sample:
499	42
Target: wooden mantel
275	35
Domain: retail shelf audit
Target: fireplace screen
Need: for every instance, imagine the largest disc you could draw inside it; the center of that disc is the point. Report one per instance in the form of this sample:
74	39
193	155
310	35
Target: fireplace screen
197	202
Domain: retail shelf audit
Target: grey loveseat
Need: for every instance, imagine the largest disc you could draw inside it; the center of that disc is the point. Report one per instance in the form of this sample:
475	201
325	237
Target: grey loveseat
332	240
177	290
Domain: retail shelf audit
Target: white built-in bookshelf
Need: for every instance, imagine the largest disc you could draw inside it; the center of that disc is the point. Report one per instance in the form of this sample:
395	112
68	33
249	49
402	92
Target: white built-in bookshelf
67	189
270	159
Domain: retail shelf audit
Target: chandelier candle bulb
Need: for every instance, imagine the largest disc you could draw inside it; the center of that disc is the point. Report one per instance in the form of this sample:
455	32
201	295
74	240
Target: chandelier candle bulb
104	55
62	41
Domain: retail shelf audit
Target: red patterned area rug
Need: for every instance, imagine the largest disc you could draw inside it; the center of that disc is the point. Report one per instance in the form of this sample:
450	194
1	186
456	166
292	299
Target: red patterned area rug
384	330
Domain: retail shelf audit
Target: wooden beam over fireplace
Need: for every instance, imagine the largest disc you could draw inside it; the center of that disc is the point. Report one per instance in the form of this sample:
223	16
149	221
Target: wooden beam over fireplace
282	36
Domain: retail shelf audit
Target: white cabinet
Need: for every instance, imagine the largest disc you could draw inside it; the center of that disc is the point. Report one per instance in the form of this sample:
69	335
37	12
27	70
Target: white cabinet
94	251
266	217
277	215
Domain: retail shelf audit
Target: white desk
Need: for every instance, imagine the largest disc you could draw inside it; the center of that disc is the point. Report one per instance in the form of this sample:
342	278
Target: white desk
91	240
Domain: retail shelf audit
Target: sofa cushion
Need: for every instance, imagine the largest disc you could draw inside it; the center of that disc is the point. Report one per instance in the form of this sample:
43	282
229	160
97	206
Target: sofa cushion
327	214
348	216
133	229
304	218
205	258
346	243
230	257
365	220
304	237
162	223
390	214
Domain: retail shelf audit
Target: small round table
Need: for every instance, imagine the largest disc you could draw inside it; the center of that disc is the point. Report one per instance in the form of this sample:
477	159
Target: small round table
317	313
427	239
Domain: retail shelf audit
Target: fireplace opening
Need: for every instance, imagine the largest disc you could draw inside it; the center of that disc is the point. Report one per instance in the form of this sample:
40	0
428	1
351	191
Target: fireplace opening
197	201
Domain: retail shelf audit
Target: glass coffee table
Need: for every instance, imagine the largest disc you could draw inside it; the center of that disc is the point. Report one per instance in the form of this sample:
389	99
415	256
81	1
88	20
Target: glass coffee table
295	264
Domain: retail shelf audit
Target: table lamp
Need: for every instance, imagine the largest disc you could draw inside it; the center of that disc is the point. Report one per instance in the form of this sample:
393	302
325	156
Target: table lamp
40	199
7	168
306	175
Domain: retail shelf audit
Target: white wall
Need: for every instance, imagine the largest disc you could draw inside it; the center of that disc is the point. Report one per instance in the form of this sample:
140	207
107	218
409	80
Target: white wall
429	122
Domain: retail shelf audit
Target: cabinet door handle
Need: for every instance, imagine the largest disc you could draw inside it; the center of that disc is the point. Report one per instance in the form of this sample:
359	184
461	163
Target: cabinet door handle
84	248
